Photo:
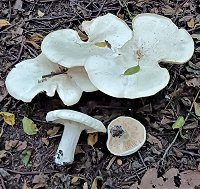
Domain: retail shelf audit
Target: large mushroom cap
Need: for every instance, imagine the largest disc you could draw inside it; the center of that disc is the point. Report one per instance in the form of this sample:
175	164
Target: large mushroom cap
125	136
27	79
155	39
66	48
85	121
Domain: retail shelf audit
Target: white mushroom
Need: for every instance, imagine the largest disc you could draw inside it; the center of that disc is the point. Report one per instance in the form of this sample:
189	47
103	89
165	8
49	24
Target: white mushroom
135	72
125	136
74	123
66	48
33	76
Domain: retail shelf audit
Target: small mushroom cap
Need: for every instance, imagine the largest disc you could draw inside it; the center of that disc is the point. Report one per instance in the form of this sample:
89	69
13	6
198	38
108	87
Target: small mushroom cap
130	141
86	122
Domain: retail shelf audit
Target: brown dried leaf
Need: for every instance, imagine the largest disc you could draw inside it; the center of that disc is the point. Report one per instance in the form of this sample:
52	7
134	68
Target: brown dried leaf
197	108
45	141
10	144
34	44
18	5
83	36
4	22
79	150
25	186
94	184
74	180
40	181
21	145
191	23
194	82
92	139
186	179
153	140
40	13
36	37
2	154
119	162
53	132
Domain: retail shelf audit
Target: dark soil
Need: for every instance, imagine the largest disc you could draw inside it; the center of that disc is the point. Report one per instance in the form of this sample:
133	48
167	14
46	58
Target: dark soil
157	112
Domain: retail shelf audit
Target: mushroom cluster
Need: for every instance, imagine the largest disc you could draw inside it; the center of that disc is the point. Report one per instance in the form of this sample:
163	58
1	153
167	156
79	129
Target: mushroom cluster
116	60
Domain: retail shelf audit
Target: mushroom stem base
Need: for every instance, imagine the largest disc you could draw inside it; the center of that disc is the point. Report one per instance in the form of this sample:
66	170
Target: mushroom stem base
68	143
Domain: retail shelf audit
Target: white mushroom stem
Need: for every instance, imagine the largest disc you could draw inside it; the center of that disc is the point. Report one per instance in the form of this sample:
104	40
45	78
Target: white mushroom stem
68	143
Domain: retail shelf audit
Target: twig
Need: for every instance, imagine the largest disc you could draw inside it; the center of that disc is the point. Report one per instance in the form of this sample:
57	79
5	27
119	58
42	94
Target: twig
18	57
101	8
142	160
179	131
2	182
190	153
29	173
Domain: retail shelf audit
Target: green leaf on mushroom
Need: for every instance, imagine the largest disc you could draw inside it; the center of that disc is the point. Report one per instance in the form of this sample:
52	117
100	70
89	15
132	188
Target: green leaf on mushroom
132	70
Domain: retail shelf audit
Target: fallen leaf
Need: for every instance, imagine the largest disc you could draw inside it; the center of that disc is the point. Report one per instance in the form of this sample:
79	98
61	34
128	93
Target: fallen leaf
79	150
18	5
45	141
21	145
2	154
4	22
92	139
25	157
29	126
196	36
94	183
194	82
171	179
4	173
119	162
153	140
33	43
197	108
36	37
53	132
74	180
40	181
179	123
25	186
40	13
101	44
82	36
8	118
85	185
10	144
191	23
132	70
3	90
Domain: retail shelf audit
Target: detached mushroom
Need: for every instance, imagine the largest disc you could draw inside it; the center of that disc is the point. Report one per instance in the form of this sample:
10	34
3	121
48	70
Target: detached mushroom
125	136
74	123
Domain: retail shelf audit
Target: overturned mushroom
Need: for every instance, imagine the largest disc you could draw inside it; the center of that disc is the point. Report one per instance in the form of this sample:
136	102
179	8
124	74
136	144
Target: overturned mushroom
33	76
125	136
74	123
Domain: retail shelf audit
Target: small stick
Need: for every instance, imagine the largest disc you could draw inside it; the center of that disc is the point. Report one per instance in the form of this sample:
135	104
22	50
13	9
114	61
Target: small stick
174	140
2	182
29	173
